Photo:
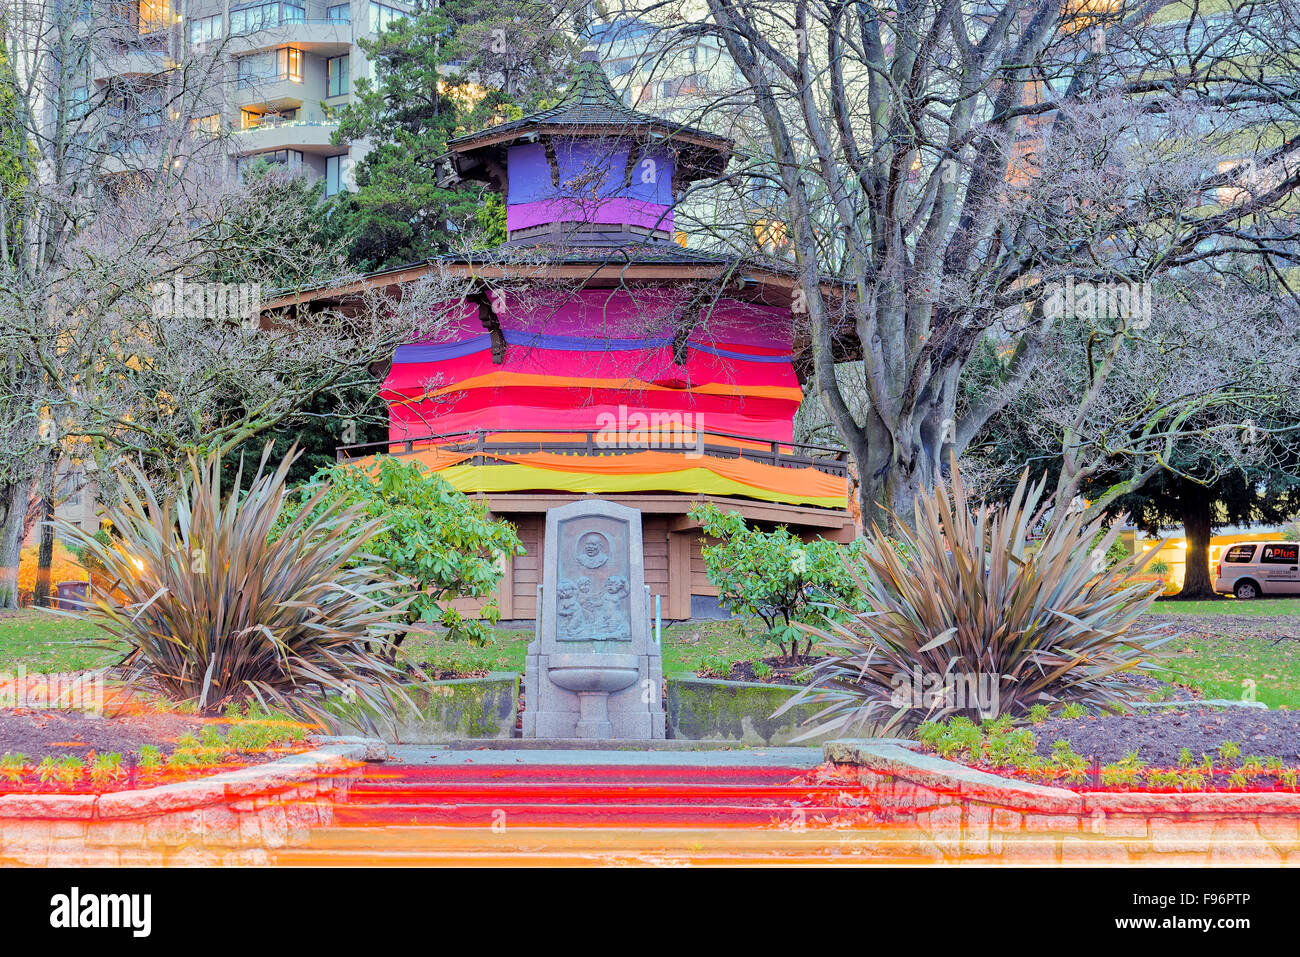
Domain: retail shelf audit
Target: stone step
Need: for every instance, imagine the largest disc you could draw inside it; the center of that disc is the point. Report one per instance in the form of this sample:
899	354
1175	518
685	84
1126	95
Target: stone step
573	813
407	775
592	793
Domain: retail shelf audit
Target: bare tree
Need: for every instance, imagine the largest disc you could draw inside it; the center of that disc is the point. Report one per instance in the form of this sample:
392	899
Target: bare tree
116	341
943	166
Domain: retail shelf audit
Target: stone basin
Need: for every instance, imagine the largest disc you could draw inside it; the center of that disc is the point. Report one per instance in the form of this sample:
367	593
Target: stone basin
586	673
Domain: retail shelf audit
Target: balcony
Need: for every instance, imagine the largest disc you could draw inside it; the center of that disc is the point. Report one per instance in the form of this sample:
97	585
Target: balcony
307	136
321	37
272	93
143	56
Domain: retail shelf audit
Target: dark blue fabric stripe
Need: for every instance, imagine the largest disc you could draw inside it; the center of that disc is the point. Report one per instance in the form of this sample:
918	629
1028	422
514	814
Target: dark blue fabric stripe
436	353
583	343
454	350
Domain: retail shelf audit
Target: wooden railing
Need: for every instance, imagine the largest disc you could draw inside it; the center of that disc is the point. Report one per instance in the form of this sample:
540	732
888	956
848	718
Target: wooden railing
589	442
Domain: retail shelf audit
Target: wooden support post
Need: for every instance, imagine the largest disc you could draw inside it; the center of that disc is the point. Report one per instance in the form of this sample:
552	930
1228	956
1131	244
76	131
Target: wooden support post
678	605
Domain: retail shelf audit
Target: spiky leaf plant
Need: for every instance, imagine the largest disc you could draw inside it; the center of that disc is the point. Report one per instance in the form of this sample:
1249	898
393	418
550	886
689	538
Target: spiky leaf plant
969	617
217	608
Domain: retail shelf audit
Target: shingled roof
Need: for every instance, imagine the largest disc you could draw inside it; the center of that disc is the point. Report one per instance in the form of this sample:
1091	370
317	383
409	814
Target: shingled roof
590	108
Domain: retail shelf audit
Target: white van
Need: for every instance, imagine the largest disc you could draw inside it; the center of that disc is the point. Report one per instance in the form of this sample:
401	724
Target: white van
1251	569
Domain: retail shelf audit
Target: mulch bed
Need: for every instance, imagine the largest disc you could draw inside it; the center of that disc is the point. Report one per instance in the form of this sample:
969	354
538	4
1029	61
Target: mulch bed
58	733
782	670
1158	734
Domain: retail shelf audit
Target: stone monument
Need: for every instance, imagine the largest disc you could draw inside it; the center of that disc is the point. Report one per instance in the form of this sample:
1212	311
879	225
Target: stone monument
593	669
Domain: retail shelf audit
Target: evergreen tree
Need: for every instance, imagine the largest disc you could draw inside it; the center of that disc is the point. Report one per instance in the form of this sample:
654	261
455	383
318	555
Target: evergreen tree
449	67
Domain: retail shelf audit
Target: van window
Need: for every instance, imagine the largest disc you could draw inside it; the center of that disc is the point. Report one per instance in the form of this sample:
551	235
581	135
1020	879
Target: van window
1239	553
1284	554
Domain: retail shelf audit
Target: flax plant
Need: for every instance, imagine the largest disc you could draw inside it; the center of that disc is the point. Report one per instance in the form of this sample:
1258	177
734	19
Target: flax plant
219	607
1018	596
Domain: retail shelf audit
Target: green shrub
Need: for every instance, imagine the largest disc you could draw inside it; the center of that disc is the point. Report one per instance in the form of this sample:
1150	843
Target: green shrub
1072	765
776	577
64	770
1074	710
150	758
105	768
1009	747
974	599
1039	713
218	609
1106	555
12	764
433	535
716	666
1165	780
1229	752
961	735
1126	772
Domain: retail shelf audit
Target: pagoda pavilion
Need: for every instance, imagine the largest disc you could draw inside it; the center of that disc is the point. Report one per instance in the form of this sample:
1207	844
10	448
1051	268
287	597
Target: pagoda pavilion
598	356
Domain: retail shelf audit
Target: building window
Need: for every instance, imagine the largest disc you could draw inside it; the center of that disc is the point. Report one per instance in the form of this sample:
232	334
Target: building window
282	64
339	13
154	15
382	16
336	174
259	16
204	29
336	80
206	124
288	158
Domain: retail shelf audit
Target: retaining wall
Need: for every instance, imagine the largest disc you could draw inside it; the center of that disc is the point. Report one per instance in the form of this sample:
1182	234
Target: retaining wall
227	818
962	814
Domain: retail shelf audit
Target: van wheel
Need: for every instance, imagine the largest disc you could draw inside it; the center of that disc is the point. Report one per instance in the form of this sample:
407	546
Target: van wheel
1246	590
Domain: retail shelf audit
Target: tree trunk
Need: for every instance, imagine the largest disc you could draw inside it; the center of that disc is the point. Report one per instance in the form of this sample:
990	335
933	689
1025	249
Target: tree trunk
13	509
1197	506
894	476
45	554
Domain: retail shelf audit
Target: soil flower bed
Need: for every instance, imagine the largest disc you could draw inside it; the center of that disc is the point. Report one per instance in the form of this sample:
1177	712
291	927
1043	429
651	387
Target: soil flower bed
776	669
64	752
1192	749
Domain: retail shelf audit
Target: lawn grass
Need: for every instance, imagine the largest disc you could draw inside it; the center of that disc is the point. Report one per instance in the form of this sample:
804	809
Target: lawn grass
1255	608
43	642
47	643
1234	668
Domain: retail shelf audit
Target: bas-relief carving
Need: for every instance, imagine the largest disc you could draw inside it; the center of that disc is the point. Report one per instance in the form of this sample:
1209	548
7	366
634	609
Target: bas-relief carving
592	592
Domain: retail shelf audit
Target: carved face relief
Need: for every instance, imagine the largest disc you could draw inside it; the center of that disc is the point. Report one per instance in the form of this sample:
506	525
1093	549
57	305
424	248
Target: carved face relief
593	550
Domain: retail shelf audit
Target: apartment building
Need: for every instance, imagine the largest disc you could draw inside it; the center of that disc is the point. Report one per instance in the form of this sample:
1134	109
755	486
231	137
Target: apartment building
271	75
